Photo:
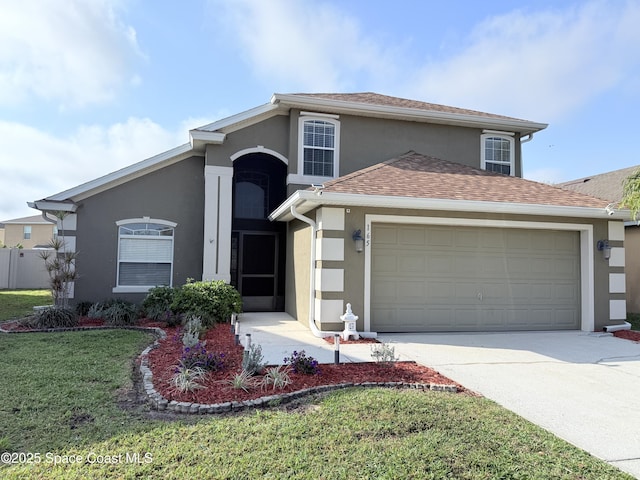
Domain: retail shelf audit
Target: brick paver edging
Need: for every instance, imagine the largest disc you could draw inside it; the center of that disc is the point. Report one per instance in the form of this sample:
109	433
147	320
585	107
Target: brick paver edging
158	402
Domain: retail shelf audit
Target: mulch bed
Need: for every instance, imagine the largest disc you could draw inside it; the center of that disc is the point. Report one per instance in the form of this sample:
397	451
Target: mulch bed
164	359
628	335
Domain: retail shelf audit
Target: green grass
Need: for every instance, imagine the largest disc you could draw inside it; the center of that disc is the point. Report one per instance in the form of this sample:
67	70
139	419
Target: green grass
634	320
19	303
58	396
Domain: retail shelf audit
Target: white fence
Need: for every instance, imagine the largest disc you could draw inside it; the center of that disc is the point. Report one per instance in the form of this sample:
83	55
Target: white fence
22	268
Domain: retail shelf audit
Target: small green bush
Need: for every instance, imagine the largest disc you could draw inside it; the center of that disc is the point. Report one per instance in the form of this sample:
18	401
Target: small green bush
82	308
213	302
56	317
114	312
253	361
157	303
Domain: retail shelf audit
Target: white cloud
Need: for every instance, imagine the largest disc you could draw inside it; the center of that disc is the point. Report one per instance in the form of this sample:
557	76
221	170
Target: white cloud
35	164
72	52
301	44
539	65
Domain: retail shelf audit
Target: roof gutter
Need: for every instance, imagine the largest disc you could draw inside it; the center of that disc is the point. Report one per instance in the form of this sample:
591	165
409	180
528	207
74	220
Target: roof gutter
414	114
306	200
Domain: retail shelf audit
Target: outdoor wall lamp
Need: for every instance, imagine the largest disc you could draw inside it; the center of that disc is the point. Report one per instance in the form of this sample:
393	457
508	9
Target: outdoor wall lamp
359	241
603	246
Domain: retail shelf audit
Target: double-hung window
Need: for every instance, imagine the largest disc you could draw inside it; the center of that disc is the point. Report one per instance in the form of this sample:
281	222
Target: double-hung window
145	254
319	147
498	153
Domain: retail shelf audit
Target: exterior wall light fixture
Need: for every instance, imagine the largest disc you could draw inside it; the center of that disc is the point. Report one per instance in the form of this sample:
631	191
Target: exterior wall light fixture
359	241
603	246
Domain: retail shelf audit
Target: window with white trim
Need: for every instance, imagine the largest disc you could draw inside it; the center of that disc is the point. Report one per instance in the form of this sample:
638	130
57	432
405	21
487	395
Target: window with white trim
318	140
145	253
26	232
498	153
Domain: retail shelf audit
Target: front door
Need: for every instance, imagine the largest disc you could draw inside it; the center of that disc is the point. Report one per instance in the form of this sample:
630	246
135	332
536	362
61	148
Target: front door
256	275
257	244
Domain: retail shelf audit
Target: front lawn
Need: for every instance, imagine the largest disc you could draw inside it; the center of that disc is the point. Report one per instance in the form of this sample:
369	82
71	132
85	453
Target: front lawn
18	303
59	395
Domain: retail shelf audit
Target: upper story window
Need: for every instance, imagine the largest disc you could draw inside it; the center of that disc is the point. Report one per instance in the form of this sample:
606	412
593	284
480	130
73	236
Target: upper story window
145	254
26	232
318	148
498	153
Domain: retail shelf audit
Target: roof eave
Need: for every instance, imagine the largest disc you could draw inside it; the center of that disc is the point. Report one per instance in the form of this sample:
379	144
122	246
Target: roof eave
524	127
125	174
305	201
53	206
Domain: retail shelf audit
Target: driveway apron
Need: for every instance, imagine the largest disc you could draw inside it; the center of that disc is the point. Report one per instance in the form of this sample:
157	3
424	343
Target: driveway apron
583	387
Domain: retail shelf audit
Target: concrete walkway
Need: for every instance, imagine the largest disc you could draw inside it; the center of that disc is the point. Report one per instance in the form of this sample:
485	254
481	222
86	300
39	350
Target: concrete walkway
280	335
584	388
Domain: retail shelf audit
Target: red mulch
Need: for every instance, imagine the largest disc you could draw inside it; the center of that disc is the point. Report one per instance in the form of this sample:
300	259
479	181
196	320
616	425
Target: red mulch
164	359
628	335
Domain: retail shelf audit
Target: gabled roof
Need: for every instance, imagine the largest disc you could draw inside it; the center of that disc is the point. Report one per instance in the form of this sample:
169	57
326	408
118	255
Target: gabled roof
607	186
32	220
362	104
415	180
383	106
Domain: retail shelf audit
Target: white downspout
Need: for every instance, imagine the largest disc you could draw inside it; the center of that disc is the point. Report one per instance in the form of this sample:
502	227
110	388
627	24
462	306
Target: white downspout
312	280
615	328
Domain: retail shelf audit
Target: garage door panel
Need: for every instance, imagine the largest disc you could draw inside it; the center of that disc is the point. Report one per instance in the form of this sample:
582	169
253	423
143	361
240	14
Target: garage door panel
472	278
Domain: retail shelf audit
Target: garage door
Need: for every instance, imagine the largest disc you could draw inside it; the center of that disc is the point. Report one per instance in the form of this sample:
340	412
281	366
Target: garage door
440	278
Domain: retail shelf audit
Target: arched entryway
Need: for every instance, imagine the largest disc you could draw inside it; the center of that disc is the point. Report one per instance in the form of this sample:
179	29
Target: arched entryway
258	245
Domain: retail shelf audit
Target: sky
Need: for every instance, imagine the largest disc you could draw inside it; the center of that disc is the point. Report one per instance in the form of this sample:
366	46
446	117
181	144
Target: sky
91	86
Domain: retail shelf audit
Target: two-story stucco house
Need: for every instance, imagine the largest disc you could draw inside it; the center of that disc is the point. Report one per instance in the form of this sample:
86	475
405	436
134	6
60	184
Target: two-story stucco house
414	213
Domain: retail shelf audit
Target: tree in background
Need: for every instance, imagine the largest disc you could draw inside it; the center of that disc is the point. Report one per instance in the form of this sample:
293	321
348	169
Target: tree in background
631	194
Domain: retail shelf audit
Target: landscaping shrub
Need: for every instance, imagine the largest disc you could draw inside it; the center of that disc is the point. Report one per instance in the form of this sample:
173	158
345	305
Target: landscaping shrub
301	363
384	353
157	303
213	302
197	356
56	317
114	312
82	308
192	331
253	361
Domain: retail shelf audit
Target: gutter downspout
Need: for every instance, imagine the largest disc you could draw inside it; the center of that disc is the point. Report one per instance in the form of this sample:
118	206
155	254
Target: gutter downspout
528	138
312	277
615	328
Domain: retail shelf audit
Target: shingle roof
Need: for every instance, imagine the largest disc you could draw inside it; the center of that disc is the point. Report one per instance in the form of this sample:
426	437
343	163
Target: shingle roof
35	219
422	176
607	186
372	98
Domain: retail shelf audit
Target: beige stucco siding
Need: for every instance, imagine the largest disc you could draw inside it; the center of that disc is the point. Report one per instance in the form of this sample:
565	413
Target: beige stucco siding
298	271
632	268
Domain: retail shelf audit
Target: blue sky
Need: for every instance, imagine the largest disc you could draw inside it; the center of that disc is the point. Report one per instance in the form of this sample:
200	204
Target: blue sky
90	86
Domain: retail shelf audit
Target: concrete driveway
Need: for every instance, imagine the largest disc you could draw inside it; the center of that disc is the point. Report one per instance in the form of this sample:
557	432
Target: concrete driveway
583	387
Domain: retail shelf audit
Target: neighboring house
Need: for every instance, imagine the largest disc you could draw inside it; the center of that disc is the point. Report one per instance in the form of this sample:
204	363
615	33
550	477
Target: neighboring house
272	200
28	232
2	244
608	186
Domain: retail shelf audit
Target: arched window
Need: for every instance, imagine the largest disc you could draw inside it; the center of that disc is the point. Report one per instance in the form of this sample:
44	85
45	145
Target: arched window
252	194
498	153
145	254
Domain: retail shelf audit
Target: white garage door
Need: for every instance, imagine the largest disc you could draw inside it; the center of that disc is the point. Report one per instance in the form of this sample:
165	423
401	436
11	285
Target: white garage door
439	278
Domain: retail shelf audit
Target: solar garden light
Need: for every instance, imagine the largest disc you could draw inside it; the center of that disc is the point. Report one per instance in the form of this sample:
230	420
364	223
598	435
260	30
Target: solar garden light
247	346
233	322
236	329
336	348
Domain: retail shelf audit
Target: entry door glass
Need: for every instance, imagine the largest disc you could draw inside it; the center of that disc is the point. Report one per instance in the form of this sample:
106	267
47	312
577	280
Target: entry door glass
258	265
